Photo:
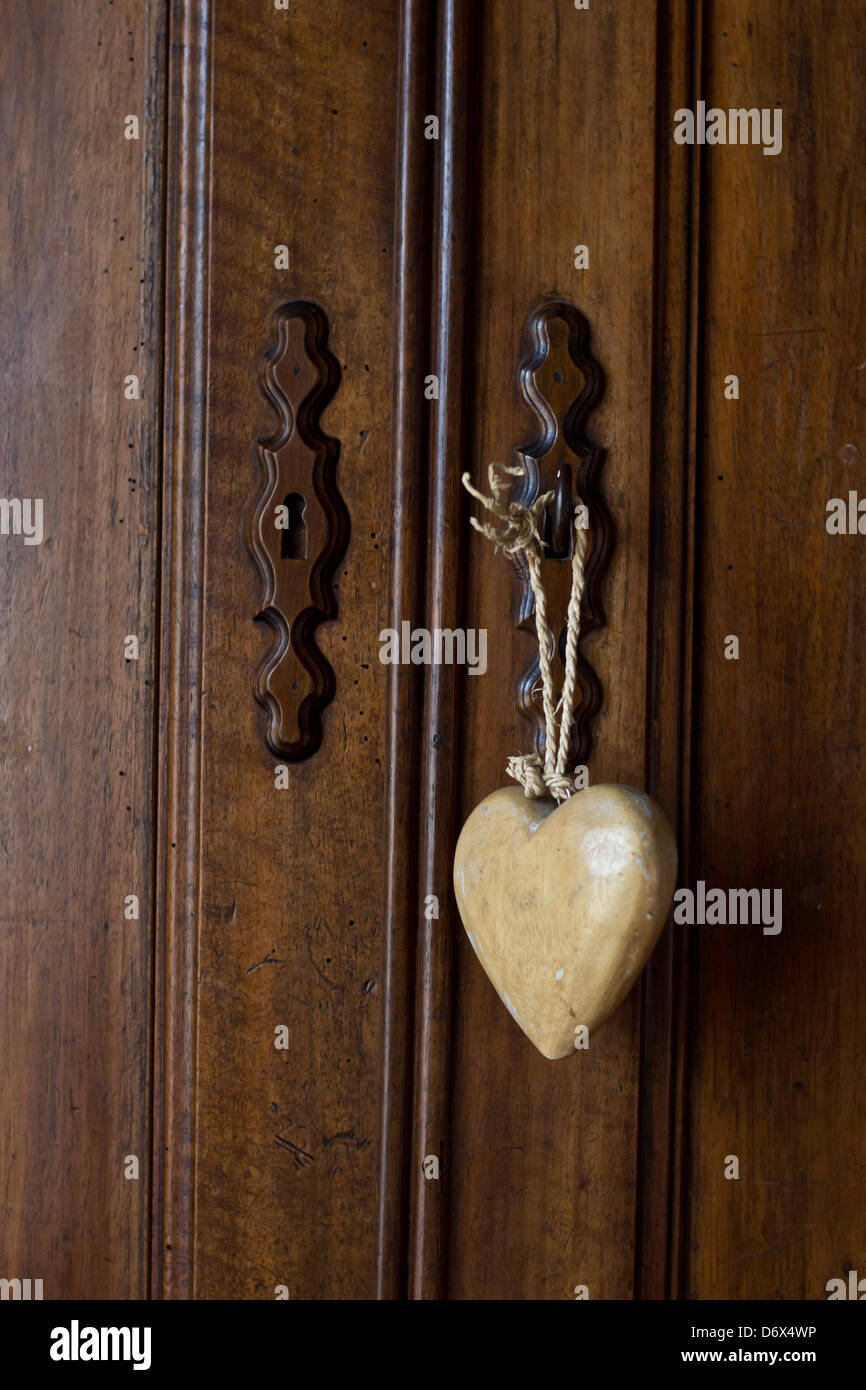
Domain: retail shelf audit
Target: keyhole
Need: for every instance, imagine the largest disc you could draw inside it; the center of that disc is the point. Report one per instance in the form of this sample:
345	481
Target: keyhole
294	542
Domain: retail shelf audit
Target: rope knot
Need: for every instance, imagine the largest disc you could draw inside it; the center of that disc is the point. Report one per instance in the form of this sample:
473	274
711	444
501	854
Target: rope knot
521	529
528	770
520	524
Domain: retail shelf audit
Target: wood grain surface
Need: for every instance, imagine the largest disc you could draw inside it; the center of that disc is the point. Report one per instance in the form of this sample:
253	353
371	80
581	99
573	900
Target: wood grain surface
775	1073
303	901
544	1155
289	882
80	282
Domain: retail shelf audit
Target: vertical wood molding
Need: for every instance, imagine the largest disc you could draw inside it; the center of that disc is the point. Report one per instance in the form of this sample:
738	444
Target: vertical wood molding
660	1233
440	750
180	694
405	690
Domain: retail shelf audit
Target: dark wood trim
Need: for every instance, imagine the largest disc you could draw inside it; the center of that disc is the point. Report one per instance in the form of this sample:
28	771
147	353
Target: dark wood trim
688	956
180	694
405	691
440	745
660	1233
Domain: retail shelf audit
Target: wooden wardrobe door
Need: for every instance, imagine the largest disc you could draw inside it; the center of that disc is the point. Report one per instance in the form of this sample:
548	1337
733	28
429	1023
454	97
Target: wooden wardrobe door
378	207
401	182
296	264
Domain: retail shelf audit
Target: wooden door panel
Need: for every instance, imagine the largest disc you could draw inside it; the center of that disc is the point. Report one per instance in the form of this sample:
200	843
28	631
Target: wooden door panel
288	881
597	1171
778	802
542	1155
80	276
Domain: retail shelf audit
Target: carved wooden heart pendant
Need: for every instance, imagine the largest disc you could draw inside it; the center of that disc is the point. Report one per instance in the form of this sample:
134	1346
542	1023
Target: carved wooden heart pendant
563	903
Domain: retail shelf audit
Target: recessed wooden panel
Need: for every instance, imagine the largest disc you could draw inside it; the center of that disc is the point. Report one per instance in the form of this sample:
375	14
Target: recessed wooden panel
543	1154
289	922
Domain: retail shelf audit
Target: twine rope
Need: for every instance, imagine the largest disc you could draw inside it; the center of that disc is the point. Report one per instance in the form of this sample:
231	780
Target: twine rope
520	530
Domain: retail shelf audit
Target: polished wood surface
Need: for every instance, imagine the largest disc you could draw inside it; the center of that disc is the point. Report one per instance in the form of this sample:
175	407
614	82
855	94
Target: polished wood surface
81	285
544	1155
409	1142
289	926
776	1049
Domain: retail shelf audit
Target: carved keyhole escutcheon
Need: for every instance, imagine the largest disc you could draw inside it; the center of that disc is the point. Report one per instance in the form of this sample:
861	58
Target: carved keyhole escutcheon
297	530
560	382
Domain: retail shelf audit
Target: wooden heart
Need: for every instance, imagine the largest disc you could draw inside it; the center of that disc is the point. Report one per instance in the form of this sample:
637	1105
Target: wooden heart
563	903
